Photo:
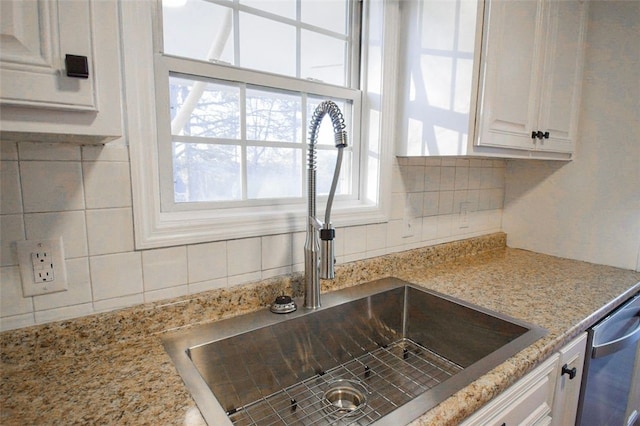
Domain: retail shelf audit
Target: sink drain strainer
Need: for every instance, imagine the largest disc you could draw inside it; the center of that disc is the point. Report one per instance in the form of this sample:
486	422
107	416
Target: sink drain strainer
344	398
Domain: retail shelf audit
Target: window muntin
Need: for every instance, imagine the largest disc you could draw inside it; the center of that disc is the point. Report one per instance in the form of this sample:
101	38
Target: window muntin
220	147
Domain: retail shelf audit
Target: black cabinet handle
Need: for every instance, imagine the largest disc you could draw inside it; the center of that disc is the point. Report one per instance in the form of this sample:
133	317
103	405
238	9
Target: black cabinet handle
540	134
77	66
570	371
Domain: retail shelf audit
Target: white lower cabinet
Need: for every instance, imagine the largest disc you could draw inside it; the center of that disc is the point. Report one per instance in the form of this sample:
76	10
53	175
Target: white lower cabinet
565	401
527	402
546	396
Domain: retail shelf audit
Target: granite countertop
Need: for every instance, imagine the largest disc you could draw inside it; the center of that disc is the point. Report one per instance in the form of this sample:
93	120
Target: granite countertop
111	368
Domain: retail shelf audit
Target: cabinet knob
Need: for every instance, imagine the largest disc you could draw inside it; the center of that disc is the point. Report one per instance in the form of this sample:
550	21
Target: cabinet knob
570	371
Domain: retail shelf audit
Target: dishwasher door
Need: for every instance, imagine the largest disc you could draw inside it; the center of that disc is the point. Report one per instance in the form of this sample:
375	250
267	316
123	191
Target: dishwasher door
610	394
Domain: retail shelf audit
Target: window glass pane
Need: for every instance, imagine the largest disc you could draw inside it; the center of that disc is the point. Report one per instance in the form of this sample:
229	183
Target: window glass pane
198	30
273	116
286	8
324	174
323	58
206	109
274	172
204	172
267	45
374	57
329	14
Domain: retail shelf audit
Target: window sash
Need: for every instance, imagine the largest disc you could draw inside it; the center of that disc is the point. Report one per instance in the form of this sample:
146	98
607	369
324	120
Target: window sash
351	37
166	66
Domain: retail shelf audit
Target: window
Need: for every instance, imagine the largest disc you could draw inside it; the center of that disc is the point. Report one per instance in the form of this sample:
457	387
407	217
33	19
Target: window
239	139
218	136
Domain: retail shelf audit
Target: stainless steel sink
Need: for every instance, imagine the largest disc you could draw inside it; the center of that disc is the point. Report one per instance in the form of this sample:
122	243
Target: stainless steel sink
383	352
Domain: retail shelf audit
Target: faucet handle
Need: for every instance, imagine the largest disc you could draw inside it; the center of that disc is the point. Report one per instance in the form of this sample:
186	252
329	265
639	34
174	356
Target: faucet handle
313	221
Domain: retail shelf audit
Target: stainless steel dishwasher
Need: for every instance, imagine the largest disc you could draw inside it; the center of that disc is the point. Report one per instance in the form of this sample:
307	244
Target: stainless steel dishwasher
610	392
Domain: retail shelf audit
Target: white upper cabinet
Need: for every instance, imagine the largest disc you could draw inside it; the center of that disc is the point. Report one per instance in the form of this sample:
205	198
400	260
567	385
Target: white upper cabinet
509	89
531	76
35	38
493	78
60	70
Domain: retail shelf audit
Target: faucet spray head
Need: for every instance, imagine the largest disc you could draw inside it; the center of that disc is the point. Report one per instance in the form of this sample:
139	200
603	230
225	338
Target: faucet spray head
341	139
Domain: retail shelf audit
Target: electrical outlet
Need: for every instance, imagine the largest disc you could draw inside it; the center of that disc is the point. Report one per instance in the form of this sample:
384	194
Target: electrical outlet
408	219
408	227
464	215
42	266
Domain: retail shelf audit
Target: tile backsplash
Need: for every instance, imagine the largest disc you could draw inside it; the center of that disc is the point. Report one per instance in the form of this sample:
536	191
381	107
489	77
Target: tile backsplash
84	195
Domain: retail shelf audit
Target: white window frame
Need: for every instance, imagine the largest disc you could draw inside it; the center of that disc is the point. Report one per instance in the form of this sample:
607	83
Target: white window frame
155	227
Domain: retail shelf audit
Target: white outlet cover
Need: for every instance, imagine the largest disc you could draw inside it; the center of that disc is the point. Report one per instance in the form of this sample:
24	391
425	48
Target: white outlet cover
55	254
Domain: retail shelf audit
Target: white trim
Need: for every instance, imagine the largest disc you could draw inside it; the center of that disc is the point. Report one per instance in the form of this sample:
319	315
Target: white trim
154	228
388	126
140	119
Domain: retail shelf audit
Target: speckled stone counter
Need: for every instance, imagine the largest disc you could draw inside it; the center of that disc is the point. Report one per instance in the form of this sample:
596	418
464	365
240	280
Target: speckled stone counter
112	369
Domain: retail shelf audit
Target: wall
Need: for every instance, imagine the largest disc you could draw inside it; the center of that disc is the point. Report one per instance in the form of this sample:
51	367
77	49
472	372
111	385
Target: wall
84	195
589	209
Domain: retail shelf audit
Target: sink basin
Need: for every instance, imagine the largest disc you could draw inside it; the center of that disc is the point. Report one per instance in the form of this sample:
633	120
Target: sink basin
383	352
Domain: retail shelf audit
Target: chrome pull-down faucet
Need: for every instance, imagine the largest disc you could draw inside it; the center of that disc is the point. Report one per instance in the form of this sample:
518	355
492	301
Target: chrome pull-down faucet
319	256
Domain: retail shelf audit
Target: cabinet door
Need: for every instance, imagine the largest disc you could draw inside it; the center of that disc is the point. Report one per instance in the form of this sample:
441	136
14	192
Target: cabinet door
509	94
562	75
35	37
527	402
565	403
